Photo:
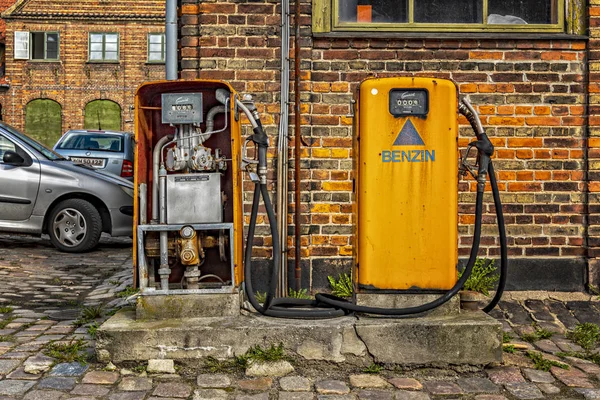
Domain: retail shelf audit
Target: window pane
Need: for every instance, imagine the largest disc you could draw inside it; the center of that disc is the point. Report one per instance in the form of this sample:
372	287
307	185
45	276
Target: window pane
155	57
111	38
156	38
96	46
111	47
96	38
380	11
37	46
443	11
522	12
52	46
155	47
110	55
95	55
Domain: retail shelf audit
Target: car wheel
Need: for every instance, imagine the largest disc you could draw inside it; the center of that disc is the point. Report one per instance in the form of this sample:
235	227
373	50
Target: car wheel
74	226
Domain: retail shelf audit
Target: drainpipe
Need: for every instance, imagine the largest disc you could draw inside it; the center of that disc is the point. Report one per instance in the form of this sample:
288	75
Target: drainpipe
297	148
171	40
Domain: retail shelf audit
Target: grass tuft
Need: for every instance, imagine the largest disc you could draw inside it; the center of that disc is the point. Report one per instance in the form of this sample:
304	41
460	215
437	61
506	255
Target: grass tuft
543	364
67	352
342	287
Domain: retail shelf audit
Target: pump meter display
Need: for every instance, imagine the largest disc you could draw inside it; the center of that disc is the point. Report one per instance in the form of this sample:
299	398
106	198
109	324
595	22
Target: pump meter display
181	108
404	102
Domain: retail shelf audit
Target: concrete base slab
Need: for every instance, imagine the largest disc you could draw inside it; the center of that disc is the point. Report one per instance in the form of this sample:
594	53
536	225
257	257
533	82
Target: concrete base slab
468	338
398	300
188	306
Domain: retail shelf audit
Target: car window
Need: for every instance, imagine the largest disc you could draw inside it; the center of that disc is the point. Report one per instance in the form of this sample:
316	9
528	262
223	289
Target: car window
46	152
86	141
5	145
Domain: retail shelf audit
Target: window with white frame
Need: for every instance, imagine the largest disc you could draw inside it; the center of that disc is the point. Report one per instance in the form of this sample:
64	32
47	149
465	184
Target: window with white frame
442	15
104	47
36	45
156	47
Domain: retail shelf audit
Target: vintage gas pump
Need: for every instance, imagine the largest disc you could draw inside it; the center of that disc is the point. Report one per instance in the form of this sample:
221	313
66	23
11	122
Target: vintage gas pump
188	177
190	158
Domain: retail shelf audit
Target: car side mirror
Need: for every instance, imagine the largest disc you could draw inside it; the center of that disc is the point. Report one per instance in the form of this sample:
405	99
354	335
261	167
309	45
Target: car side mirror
12	158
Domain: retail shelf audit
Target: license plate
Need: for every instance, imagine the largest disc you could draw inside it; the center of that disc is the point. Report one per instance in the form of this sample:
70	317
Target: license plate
92	162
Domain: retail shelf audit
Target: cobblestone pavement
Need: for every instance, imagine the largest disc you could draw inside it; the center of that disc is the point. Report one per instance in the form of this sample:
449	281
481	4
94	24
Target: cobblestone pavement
47	298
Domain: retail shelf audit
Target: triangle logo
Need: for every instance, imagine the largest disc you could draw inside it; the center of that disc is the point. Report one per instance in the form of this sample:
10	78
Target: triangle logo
408	136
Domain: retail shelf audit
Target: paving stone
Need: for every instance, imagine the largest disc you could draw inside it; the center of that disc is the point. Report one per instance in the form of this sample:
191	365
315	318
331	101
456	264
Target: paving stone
516	313
568	346
69	369
296	396
538	376
442	387
260	396
213	381
589	394
134	384
20	373
38	364
173	389
375	395
406	383
503	375
294	384
44	395
57	382
572	377
100	377
161	366
8	365
407	395
332	387
477	385
490	397
548	388
210	394
587	367
10	387
90	390
368	381
524	390
547	346
256	384
127	396
271	368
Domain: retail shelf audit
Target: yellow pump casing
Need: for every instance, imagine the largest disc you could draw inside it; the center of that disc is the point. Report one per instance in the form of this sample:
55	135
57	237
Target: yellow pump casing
406	161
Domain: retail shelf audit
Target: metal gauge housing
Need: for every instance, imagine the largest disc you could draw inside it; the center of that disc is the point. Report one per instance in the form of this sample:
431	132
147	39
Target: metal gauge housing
405	102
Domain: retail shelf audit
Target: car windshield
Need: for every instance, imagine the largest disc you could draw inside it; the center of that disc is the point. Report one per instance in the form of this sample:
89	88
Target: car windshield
91	141
48	153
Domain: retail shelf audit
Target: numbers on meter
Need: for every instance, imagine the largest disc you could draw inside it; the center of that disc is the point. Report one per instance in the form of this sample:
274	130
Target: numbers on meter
404	102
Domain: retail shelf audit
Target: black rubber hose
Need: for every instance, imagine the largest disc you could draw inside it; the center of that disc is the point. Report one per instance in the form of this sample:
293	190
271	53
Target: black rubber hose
278	307
502	235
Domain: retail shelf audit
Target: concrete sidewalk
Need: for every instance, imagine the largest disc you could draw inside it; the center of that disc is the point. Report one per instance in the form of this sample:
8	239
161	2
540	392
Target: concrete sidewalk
47	291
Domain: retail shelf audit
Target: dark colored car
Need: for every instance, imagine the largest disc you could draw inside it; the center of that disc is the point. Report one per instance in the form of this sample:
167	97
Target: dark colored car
110	151
43	192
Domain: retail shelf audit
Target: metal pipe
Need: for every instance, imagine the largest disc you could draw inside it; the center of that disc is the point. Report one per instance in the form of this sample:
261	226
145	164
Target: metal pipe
164	270
156	160
171	40
297	150
282	148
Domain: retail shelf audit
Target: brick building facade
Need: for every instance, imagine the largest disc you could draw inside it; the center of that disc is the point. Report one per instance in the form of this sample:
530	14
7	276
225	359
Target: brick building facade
536	92
70	77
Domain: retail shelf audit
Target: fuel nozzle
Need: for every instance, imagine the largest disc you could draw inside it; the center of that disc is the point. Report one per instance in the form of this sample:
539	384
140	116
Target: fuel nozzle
485	148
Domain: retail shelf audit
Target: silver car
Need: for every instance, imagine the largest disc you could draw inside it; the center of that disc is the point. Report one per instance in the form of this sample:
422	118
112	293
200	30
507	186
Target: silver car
42	192
110	151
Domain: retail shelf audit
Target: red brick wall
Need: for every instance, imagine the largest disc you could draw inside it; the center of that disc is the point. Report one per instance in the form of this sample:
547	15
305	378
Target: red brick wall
531	94
72	81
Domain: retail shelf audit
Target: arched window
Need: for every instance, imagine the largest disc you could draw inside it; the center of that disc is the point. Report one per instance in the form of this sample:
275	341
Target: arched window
43	121
103	115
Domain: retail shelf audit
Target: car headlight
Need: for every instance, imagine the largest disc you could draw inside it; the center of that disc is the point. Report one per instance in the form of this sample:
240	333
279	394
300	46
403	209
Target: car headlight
127	190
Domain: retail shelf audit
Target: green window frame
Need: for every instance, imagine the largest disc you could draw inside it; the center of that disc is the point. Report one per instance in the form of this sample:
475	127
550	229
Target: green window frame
44	46
156	48
103	47
421	16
